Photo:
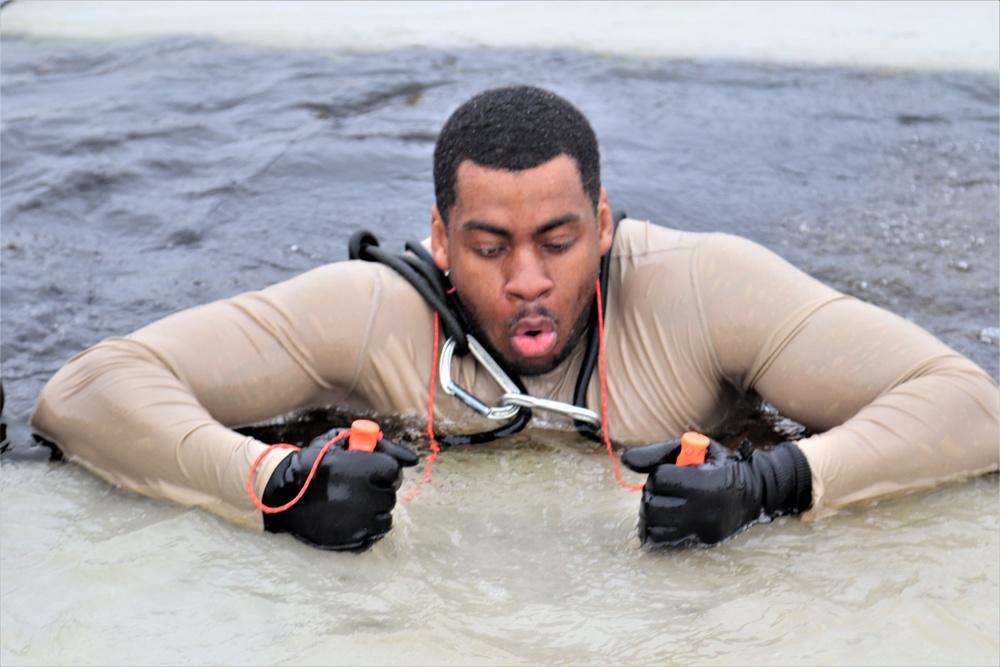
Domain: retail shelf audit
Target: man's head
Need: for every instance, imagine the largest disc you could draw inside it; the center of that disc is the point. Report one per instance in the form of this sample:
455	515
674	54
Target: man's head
521	222
514	129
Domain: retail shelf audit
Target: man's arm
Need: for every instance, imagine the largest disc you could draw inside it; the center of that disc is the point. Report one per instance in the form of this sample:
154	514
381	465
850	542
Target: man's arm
898	409
151	412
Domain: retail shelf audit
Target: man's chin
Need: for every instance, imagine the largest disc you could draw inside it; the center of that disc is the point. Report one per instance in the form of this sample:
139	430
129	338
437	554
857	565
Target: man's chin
532	367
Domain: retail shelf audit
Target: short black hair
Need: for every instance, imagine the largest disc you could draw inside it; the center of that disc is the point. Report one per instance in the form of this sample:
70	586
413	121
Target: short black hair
514	128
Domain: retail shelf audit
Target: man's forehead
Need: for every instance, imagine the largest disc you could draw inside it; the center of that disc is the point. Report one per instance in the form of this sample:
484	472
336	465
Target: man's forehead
530	199
471	168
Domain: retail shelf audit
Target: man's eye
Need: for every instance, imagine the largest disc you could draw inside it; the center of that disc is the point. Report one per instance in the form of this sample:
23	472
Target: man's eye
558	246
487	251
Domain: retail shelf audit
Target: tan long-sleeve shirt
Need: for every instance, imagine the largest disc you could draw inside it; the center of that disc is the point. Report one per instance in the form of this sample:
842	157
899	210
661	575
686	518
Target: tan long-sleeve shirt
694	321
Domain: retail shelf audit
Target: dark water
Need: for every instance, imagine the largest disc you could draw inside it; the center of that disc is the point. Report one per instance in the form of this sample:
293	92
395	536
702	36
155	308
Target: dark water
139	178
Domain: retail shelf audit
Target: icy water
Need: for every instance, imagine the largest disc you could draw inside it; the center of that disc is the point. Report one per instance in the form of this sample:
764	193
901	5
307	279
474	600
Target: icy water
141	177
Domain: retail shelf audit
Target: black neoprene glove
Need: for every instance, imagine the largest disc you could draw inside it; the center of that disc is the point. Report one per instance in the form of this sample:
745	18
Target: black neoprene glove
348	504
714	501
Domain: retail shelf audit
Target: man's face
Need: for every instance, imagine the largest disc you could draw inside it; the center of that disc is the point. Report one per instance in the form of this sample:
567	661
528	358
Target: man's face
524	250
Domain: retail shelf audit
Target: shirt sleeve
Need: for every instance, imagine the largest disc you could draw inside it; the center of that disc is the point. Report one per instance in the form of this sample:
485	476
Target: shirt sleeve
896	409
153	412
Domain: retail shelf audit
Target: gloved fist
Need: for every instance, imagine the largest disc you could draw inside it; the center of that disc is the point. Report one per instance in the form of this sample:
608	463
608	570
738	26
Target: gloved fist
348	504
711	502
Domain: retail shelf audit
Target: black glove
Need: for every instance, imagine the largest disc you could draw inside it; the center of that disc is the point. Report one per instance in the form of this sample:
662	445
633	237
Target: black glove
711	502
348	504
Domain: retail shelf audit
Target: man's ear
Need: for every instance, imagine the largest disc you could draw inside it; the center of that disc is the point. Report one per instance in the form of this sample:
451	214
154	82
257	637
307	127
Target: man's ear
605	223
439	240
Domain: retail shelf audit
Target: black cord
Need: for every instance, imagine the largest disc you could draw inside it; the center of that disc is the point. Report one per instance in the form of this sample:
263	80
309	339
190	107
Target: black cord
519	421
594	343
364	245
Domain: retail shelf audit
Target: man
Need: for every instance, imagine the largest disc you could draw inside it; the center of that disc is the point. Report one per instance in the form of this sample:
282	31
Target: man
694	322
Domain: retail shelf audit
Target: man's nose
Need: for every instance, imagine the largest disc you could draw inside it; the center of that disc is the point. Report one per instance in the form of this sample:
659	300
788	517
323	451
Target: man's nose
528	278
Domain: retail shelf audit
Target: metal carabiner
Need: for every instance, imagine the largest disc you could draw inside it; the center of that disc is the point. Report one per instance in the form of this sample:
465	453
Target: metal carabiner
534	403
484	358
513	398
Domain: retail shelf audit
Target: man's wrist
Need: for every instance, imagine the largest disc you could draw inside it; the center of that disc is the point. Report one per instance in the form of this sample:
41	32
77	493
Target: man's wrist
792	492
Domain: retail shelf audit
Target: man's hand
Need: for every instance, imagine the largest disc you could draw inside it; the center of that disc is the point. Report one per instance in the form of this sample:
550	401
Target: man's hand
348	504
711	502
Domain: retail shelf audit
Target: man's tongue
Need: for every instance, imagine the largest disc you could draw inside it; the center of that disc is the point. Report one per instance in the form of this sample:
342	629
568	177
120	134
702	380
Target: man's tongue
534	337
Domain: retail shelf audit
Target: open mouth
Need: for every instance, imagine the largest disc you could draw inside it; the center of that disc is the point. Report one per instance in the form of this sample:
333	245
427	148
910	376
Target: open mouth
534	336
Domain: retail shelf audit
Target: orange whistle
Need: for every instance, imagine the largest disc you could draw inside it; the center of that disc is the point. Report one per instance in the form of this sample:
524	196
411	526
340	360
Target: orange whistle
693	447
364	435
